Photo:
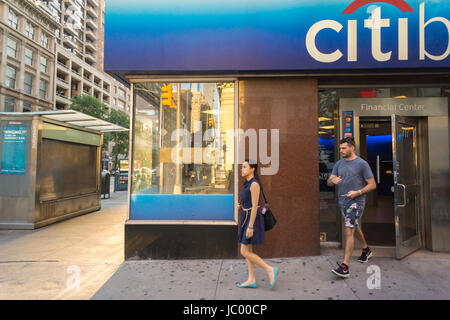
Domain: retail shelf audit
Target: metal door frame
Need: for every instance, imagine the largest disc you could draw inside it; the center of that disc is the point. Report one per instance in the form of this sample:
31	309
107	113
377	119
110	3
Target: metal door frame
356	136
422	174
433	151
404	248
422	154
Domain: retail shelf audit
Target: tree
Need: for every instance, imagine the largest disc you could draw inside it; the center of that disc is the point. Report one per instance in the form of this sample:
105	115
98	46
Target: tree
120	139
92	106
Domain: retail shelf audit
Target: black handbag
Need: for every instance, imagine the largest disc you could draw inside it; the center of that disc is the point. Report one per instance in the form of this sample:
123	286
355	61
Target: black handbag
269	219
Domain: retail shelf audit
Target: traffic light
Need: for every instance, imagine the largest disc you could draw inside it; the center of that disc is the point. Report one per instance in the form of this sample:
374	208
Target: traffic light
166	96
211	122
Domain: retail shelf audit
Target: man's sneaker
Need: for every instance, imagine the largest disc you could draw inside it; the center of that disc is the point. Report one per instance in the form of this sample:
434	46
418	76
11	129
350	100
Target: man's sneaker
365	255
341	271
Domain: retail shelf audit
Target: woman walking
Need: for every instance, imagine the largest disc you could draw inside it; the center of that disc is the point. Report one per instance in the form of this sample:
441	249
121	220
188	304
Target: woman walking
251	231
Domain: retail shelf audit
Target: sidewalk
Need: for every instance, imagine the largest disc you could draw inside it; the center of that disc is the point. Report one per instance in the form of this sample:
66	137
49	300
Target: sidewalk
423	275
44	263
38	264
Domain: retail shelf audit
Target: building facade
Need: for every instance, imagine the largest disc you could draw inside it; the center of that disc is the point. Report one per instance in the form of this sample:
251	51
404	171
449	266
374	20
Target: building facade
81	27
28	58
281	83
53	51
75	77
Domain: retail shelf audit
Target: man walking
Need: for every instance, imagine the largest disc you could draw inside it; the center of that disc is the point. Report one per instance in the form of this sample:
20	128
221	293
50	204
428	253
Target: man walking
354	179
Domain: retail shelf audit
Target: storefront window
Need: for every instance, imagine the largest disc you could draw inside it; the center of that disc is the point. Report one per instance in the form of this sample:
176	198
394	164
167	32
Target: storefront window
183	151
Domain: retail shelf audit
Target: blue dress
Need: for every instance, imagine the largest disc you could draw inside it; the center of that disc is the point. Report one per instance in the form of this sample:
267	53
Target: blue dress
258	226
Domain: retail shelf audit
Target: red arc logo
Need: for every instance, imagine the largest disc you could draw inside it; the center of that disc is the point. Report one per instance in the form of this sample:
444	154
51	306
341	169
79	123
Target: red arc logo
401	4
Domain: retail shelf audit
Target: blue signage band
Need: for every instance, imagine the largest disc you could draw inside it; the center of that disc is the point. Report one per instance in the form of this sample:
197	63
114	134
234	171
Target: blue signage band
285	35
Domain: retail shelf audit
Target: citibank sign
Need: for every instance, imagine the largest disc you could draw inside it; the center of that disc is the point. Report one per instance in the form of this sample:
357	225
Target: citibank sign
376	23
275	36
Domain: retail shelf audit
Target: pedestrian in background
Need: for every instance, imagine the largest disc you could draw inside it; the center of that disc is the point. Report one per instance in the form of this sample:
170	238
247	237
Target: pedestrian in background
251	227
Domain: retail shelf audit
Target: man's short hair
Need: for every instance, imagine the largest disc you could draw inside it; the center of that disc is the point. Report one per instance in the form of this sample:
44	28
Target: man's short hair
349	140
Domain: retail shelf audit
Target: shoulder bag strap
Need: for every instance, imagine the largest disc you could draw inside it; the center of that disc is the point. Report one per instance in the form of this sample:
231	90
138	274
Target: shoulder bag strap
262	191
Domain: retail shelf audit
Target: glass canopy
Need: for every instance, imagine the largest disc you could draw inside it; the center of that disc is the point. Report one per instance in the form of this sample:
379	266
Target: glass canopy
75	118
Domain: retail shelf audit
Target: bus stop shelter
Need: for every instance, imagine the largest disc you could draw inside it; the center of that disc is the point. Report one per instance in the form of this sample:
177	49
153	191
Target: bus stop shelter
50	163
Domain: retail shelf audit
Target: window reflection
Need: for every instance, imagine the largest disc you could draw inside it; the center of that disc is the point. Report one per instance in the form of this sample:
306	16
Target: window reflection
182	143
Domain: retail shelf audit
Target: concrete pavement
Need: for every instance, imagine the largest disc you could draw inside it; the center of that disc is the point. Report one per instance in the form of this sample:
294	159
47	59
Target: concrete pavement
82	258
423	275
47	263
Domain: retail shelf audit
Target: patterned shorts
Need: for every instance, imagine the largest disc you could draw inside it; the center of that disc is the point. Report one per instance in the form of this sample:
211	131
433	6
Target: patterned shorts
352	215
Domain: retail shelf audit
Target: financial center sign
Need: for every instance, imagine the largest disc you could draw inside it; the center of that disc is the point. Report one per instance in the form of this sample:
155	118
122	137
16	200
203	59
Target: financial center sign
385	107
176	35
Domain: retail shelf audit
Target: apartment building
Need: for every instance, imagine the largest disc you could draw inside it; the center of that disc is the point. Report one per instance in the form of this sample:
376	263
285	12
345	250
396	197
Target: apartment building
53	51
74	77
82	27
27	35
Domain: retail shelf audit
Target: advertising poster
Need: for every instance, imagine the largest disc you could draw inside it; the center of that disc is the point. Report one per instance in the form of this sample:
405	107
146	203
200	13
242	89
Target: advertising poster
14	145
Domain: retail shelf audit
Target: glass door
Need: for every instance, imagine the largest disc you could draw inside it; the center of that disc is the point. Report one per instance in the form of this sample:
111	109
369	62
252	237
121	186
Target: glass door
406	185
